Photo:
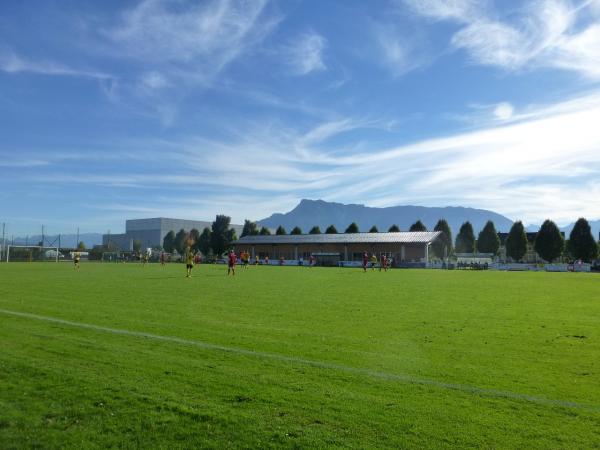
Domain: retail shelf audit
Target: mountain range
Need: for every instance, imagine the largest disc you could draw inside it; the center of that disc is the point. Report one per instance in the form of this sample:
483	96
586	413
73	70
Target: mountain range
309	213
319	212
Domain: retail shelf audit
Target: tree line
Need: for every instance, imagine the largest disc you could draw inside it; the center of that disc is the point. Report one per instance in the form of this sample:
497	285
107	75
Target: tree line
215	239
549	243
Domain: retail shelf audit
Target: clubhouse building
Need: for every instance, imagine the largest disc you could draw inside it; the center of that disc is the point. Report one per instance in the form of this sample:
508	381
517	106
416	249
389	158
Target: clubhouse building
333	249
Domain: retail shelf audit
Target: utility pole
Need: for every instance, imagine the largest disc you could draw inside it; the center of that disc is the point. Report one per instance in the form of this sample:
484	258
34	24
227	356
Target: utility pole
77	242
3	241
42	235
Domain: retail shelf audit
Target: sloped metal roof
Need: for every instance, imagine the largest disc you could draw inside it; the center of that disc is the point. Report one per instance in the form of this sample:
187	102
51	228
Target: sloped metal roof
405	237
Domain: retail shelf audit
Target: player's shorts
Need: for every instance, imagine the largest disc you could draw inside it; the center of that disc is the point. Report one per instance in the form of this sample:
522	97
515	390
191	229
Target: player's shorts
231	266
189	266
76	261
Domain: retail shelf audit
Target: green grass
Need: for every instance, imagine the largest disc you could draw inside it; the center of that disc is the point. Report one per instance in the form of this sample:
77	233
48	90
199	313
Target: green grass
404	359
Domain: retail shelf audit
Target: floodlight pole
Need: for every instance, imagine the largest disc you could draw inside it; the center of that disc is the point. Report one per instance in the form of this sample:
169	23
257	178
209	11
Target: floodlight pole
42	235
77	242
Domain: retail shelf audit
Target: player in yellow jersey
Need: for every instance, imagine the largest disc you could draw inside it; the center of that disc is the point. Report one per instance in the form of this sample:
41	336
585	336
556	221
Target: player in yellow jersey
189	259
76	259
373	261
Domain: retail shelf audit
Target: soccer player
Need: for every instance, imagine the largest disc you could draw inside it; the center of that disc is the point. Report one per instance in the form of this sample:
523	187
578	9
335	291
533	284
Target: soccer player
256	260
267	260
162	258
145	259
231	263
76	258
365	261
189	262
383	263
373	261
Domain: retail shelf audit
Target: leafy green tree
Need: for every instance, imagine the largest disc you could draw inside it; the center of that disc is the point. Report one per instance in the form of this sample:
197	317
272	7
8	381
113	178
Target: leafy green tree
81	246
194	238
250	228
442	247
222	234
374	229
488	240
315	230
169	242
581	242
394	229
264	231
180	241
549	242
331	230
352	228
137	245
296	230
465	240
204	241
516	241
418	226
280	231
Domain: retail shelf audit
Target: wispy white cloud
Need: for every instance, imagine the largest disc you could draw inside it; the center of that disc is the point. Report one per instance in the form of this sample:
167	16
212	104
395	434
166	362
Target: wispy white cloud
396	50
541	162
194	40
22	163
545	33
305	54
503	111
154	80
12	63
460	10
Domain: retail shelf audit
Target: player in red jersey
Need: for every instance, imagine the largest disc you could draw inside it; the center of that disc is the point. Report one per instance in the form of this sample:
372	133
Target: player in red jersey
231	263
365	261
384	263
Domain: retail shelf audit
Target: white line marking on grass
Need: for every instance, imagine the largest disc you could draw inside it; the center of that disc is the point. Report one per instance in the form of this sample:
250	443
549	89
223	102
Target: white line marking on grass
487	392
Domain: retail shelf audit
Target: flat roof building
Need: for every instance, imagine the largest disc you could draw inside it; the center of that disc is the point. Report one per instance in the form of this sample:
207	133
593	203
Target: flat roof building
151	232
401	246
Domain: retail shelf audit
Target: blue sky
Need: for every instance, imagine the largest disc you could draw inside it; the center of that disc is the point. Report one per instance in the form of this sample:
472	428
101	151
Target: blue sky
122	109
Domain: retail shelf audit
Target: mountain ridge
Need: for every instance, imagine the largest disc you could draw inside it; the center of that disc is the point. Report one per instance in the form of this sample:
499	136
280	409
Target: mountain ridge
309	213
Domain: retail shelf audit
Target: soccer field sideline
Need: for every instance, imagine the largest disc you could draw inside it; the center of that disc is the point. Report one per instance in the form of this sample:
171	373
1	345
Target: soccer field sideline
319	364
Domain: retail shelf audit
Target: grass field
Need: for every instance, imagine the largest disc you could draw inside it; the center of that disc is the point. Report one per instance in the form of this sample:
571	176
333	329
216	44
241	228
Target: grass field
117	355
